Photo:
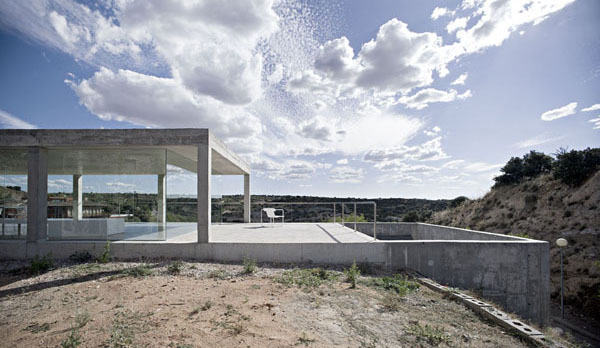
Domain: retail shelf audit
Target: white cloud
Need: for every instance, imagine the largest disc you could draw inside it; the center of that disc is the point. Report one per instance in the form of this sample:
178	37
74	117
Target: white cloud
161	102
499	19
346	174
453	164
478	167
424	97
399	179
456	24
116	186
433	132
441	12
537	140
335	60
342	161
596	122
399	59
592	108
9	121
428	151
460	80
316	128
561	112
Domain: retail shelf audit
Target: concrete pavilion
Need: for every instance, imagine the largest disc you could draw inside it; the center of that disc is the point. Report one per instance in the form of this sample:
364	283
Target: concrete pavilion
77	153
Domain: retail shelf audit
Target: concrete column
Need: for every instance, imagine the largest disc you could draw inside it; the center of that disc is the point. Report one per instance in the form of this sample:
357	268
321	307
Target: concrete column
77	212
247	209
161	202
204	203
37	194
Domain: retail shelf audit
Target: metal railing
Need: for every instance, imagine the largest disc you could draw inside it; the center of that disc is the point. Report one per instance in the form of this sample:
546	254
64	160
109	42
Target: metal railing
333	204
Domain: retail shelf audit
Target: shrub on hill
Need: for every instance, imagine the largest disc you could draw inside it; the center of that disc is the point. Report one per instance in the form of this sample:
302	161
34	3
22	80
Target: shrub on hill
458	201
574	167
571	167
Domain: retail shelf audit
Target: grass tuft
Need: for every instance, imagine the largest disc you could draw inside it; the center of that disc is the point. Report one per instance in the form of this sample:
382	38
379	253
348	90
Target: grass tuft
430	334
249	266
175	267
306	278
352	275
398	284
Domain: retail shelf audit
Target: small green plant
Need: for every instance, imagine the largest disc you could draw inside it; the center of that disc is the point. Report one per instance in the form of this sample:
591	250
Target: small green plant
398	284
220	274
175	267
72	341
352	275
430	334
105	256
36	328
121	334
206	306
249	266
82	319
41	265
391	302
137	271
306	278
304	339
81	257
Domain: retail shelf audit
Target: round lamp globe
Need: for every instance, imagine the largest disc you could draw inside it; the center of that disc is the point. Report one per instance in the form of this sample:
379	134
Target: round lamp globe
561	242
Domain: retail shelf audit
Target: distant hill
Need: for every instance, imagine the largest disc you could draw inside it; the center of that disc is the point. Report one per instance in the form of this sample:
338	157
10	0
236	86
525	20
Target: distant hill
545	208
388	209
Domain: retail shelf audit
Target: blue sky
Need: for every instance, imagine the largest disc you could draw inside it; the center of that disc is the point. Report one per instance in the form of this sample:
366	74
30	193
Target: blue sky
332	98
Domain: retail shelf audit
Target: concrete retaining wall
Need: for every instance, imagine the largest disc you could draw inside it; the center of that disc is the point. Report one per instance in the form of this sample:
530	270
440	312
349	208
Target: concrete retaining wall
423	231
512	272
516	275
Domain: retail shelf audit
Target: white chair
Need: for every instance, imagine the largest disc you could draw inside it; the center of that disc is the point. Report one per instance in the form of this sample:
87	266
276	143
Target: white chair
272	214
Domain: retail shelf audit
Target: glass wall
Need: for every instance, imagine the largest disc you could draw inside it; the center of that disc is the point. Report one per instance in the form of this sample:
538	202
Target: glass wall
182	204
13	194
133	194
106	194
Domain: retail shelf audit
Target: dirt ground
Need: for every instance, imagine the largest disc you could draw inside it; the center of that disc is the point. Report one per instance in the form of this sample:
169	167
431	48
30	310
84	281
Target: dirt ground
216	305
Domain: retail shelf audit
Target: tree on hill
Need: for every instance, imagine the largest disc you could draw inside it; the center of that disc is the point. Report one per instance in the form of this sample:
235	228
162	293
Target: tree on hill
536	163
574	167
512	172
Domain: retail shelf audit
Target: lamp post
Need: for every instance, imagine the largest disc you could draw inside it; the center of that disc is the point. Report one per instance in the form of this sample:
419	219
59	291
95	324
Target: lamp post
562	243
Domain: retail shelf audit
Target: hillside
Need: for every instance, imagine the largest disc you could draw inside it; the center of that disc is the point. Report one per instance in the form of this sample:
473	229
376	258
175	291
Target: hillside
544	208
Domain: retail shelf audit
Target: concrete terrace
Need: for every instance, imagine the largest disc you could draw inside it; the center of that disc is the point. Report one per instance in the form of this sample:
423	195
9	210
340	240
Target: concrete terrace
286	233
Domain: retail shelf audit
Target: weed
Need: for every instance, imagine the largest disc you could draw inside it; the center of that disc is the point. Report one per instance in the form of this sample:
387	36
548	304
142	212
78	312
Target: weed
249	266
137	271
41	265
125	325
105	256
121	334
304	339
81	257
430	334
82	319
35	327
352	275
72	341
307	278
220	274
391	302
175	267
207	305
398	284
